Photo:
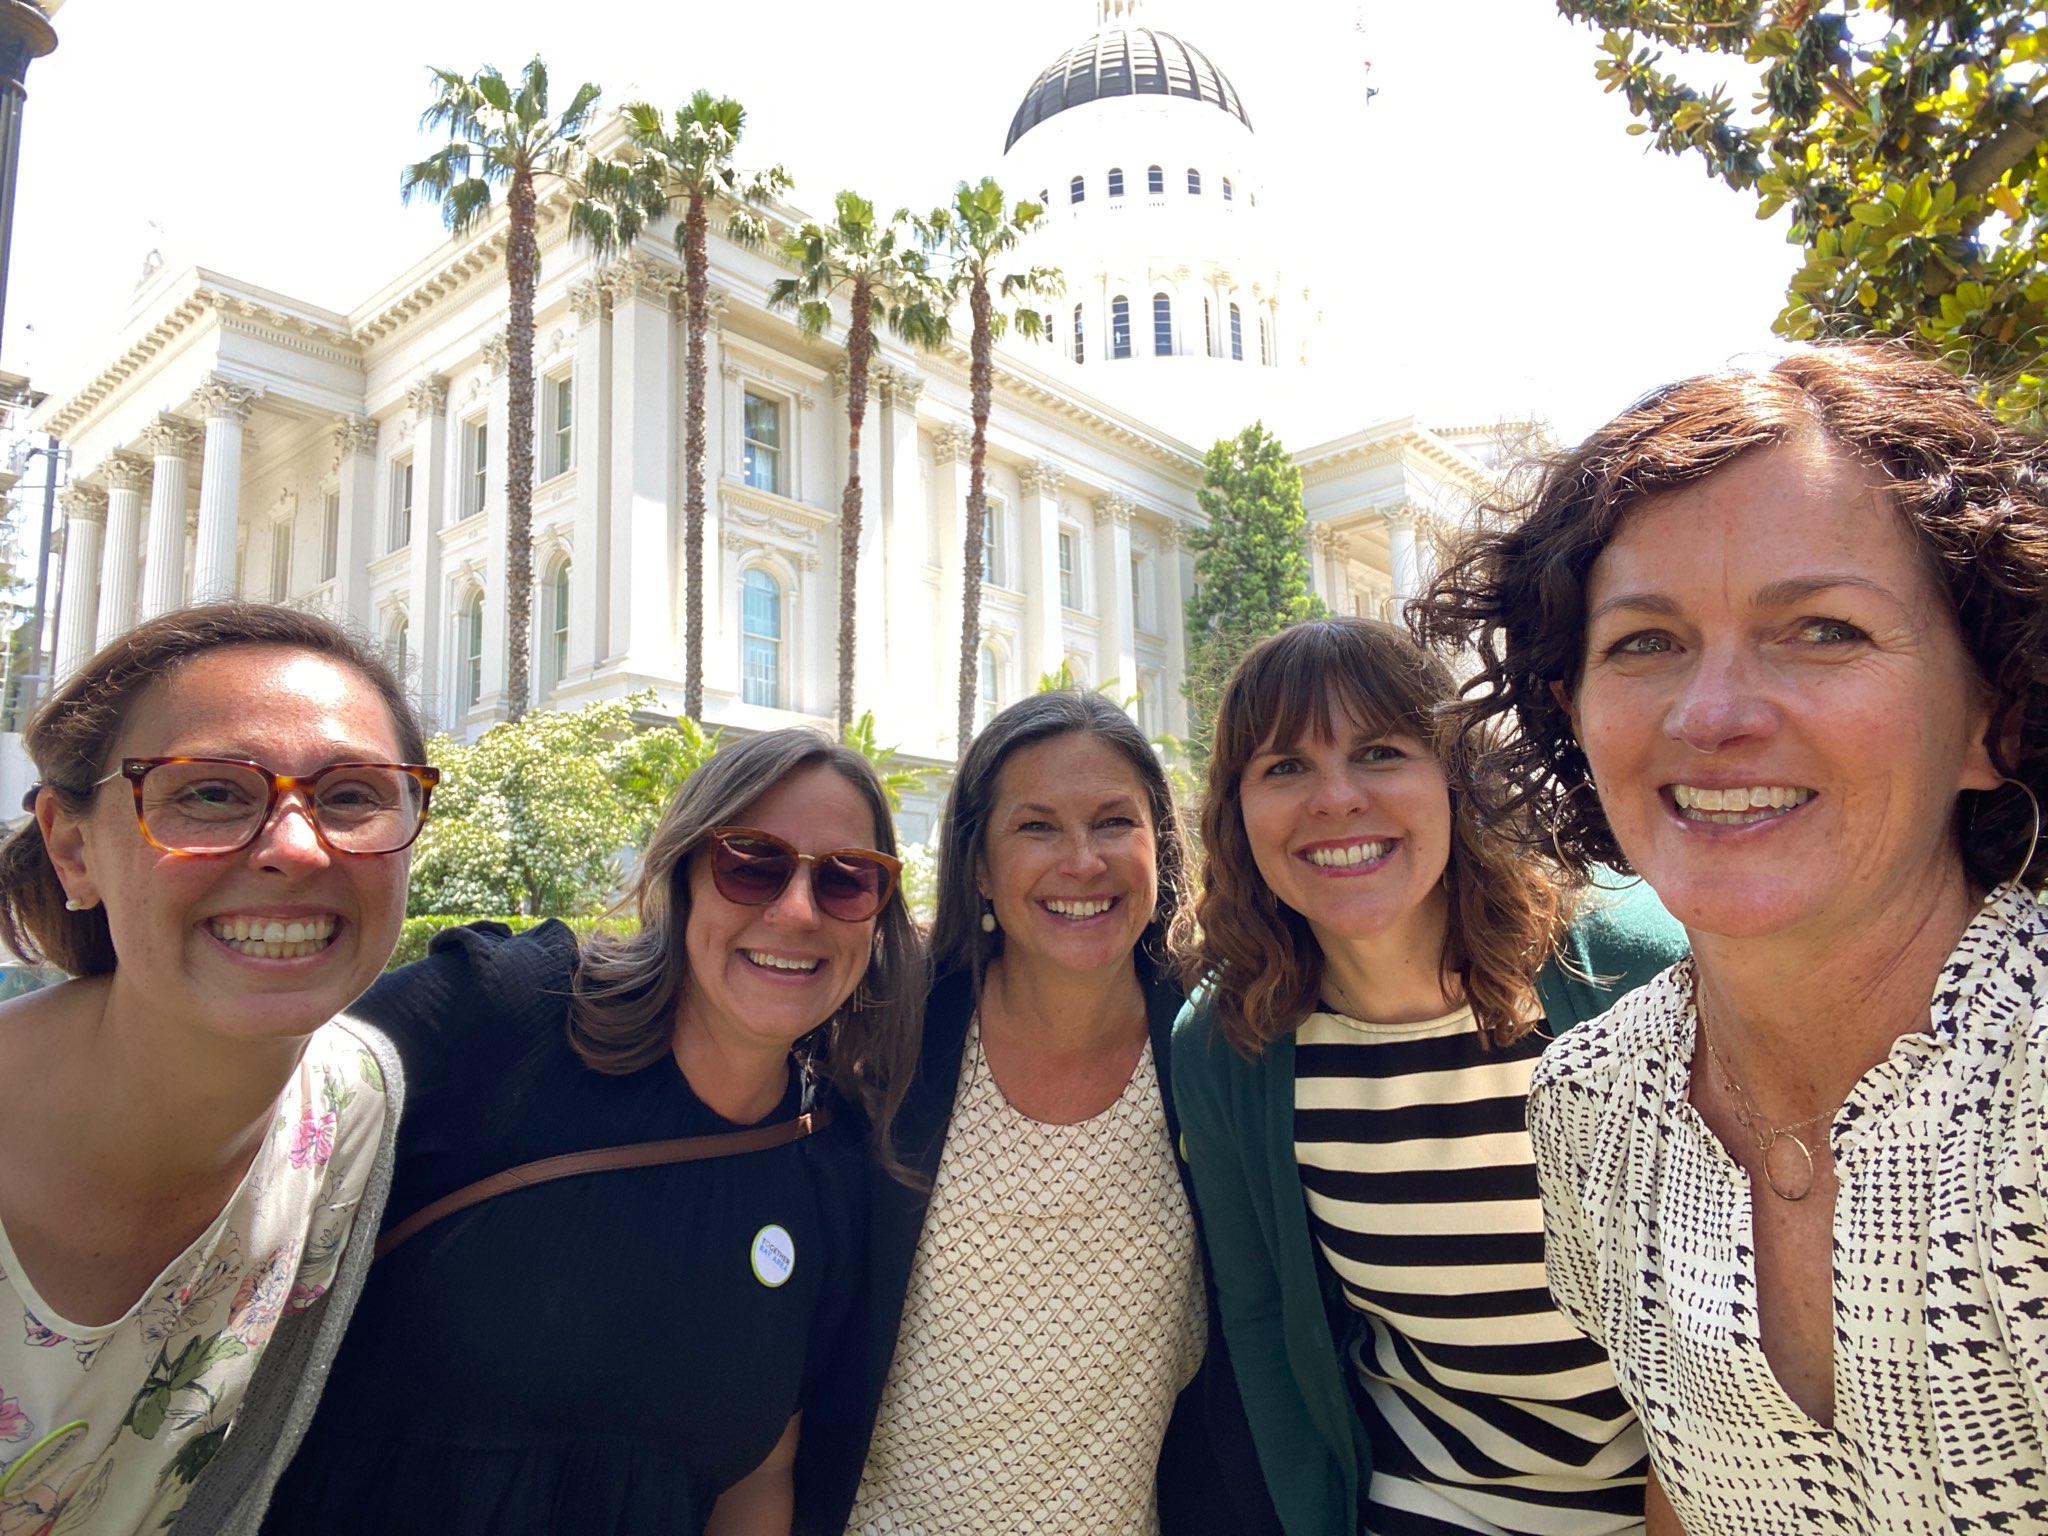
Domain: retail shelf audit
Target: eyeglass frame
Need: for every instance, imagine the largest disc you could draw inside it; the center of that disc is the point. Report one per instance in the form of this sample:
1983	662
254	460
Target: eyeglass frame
136	769
892	869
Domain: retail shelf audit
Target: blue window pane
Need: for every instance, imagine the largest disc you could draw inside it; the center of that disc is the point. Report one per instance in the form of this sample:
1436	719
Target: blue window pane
760	639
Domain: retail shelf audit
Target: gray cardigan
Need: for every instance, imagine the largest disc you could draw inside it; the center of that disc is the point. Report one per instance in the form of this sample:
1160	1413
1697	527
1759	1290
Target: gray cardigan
232	1493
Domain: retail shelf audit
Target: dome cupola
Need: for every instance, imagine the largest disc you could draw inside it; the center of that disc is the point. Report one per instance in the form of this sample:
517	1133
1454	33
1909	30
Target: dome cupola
1125	61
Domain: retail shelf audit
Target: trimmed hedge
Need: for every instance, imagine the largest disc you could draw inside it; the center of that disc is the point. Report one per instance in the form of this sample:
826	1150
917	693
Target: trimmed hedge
419	932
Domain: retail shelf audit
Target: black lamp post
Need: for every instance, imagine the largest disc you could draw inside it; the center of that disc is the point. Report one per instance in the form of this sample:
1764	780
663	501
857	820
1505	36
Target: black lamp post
25	34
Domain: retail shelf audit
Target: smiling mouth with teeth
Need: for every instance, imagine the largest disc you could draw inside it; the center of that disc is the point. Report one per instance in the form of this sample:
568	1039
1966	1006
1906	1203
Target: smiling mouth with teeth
1346	858
780	962
273	938
1739	806
1079	909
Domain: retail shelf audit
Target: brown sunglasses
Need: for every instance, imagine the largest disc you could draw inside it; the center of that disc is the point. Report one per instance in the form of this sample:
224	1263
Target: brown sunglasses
751	868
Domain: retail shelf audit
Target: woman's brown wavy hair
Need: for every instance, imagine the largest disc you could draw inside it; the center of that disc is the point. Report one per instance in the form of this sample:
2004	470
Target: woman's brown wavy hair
1256	956
1973	492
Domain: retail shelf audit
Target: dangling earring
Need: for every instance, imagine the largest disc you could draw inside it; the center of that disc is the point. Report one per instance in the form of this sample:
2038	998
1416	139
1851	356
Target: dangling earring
2033	832
988	915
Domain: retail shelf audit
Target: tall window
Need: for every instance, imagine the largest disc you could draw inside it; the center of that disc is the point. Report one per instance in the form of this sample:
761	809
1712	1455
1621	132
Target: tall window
280	561
1155	180
760	638
1209	326
1116	181
1080	345
330	535
401	504
1119	327
1077	189
1162	325
763	428
1226	189
993	561
472	650
557	651
397	646
1194	182
1067	583
558	417
476	462
991	687
1236	336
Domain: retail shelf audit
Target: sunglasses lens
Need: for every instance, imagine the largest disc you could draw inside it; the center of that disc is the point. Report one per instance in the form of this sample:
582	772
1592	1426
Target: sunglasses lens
850	889
748	871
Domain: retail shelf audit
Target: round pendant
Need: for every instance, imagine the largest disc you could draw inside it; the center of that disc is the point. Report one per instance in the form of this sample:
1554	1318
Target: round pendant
1788	1172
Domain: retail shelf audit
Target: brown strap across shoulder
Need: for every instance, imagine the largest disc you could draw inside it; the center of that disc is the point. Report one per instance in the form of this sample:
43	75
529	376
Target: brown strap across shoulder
639	1154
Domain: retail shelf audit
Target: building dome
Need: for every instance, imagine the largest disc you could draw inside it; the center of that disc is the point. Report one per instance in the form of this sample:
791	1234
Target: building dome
1125	61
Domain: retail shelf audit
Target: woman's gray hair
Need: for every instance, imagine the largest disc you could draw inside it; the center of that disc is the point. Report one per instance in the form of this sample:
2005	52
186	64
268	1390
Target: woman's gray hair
957	939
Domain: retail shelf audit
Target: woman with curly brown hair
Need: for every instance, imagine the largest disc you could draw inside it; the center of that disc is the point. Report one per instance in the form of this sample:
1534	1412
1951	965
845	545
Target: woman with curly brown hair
1778	640
1377	974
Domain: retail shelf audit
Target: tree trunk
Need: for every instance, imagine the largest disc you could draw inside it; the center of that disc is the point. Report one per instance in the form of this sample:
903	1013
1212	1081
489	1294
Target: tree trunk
860	346
522	264
697	314
981	378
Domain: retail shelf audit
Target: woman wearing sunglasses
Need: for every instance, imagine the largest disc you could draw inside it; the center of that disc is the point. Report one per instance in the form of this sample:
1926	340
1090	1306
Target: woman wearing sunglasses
194	1148
629	1350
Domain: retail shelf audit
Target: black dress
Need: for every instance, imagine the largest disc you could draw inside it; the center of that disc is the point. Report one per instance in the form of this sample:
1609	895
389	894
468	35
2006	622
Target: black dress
603	1354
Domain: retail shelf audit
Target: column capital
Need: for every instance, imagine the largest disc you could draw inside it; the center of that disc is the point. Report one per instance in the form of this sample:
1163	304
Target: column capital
220	398
497	350
353	435
170	437
1406	517
735	541
635	276
1325	537
953	443
842	376
588	297
428	396
83	503
1116	509
1172	536
1041	477
901	387
124	472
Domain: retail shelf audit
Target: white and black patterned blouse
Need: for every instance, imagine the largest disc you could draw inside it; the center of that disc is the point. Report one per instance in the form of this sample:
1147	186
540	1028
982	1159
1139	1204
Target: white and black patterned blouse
1940	1260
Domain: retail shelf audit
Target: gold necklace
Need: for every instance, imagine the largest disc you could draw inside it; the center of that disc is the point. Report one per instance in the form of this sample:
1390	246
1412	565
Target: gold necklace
1797	1173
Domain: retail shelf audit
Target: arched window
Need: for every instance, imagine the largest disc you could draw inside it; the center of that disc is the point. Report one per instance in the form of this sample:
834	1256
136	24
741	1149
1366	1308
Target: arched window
1155	180
555	628
1119	327
991	688
472	632
1162	325
1226	189
1236	336
760	638
1209	326
1077	189
1194	182
1080	346
1116	181
397	646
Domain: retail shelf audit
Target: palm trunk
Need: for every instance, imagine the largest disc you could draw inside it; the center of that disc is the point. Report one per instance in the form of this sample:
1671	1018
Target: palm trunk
697	314
522	264
860	346
981	377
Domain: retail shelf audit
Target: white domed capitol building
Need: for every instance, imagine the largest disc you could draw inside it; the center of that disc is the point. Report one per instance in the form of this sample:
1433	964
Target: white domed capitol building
241	440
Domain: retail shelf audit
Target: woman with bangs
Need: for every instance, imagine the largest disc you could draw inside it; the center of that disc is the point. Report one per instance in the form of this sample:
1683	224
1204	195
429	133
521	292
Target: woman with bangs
1375	973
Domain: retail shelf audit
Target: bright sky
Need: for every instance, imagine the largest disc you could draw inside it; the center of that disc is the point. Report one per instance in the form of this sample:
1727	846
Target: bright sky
1485	237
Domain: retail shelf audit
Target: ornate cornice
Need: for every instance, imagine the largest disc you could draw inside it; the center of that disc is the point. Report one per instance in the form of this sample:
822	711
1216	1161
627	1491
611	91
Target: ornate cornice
1041	477
353	435
171	438
428	396
83	504
125	472
220	398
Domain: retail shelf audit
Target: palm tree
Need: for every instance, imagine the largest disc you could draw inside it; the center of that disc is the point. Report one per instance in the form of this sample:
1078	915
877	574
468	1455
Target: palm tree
886	280
682	165
975	234
498	136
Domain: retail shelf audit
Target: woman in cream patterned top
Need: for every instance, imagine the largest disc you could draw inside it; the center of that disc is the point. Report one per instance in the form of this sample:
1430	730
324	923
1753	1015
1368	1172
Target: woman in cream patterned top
1791	624
188	1133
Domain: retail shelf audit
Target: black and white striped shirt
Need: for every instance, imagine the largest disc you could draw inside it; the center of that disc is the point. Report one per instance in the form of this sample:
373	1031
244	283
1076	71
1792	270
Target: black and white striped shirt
1488	1411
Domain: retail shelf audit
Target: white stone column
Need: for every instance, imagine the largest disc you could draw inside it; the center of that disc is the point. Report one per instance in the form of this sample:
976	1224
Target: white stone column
1174	586
1337	561
226	406
1402	522
1038	571
1113	587
170	441
951	446
355	472
591	385
646	497
121	557
85	521
426	605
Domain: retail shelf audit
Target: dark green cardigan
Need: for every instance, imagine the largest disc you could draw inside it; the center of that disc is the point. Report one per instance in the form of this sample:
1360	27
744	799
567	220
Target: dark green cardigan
1282	1313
